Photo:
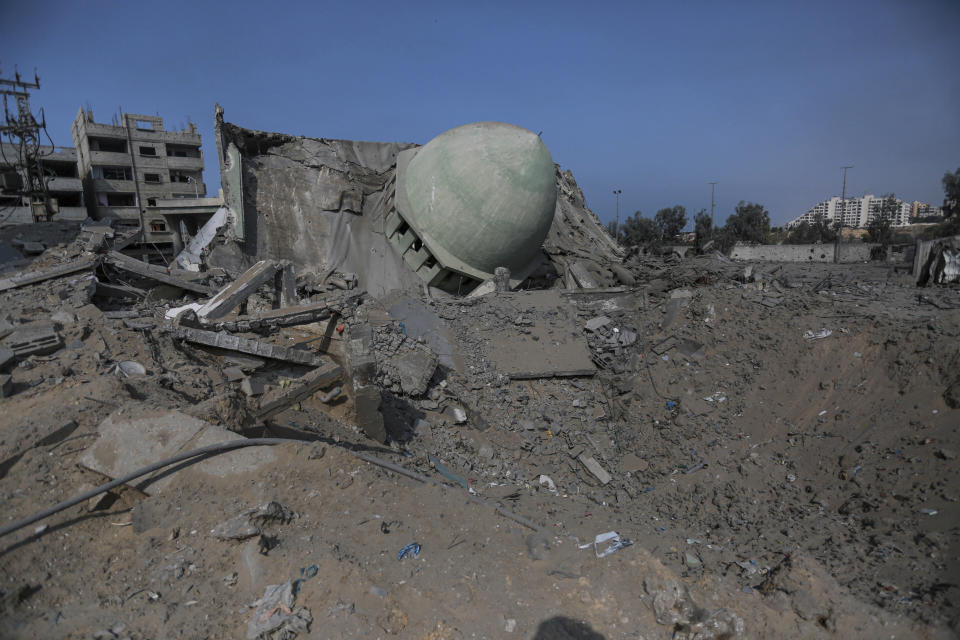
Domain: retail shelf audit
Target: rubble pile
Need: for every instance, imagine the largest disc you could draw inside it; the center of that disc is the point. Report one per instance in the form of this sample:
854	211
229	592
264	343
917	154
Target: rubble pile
627	445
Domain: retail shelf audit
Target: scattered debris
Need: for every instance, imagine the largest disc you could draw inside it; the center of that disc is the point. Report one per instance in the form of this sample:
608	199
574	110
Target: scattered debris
412	550
611	542
274	616
250	522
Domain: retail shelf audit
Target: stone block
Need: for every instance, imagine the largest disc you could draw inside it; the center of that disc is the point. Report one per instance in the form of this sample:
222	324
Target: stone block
33	339
416	369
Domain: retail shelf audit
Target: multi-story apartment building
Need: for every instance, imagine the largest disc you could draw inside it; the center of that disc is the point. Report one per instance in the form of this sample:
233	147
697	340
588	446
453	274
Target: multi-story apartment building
853	212
118	161
61	184
923	210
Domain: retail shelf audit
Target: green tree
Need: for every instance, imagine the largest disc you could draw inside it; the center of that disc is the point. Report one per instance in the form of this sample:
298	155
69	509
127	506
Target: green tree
670	221
750	222
702	228
879	226
820	230
637	230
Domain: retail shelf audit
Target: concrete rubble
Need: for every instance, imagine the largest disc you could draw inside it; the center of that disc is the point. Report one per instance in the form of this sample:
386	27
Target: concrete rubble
772	484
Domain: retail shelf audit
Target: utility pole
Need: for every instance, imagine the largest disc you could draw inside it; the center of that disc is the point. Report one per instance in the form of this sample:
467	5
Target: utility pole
136	180
843	193
23	130
617	193
713	222
839	223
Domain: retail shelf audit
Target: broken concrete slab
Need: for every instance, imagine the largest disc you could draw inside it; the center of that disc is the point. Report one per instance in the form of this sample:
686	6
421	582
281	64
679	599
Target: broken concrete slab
230	297
679	300
282	317
298	390
594	467
111	290
416	369
484	288
234	374
595	323
126	445
582	275
37	338
244	345
254	386
157	274
555	348
191	258
664	346
25	279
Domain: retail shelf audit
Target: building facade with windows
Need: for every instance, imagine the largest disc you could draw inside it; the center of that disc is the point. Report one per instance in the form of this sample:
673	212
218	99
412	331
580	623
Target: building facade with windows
852	212
136	155
62	187
923	210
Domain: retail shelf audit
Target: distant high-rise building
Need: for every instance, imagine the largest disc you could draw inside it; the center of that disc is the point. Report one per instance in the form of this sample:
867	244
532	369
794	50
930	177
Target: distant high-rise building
853	212
923	210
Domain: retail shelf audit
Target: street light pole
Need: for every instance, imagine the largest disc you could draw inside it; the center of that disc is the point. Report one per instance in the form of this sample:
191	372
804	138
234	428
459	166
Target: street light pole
843	194
616	229
713	222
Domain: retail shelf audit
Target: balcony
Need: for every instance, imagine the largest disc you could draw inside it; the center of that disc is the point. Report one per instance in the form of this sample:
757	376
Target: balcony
101	185
190	164
64	184
112	158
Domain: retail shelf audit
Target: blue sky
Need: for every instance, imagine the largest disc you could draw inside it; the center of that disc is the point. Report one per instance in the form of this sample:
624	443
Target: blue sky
769	99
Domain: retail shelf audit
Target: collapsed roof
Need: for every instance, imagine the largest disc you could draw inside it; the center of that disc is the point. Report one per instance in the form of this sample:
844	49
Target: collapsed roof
337	206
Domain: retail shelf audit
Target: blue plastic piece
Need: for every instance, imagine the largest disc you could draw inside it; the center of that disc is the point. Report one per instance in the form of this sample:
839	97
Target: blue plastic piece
412	550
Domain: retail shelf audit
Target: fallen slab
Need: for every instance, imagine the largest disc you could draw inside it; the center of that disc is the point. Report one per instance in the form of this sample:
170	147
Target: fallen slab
132	265
126	445
548	343
282	317
230	297
85	264
244	345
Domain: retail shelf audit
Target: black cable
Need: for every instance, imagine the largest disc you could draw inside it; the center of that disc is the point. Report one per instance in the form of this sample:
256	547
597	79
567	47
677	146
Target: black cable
213	448
237	444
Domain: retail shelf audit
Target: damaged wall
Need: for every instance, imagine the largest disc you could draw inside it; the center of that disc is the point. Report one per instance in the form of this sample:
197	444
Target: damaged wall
321	204
844	252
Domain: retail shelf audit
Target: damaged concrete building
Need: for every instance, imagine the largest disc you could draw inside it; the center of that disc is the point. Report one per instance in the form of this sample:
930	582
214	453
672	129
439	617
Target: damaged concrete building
474	198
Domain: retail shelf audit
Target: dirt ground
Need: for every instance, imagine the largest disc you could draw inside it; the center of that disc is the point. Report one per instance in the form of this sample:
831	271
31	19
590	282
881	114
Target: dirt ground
772	485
